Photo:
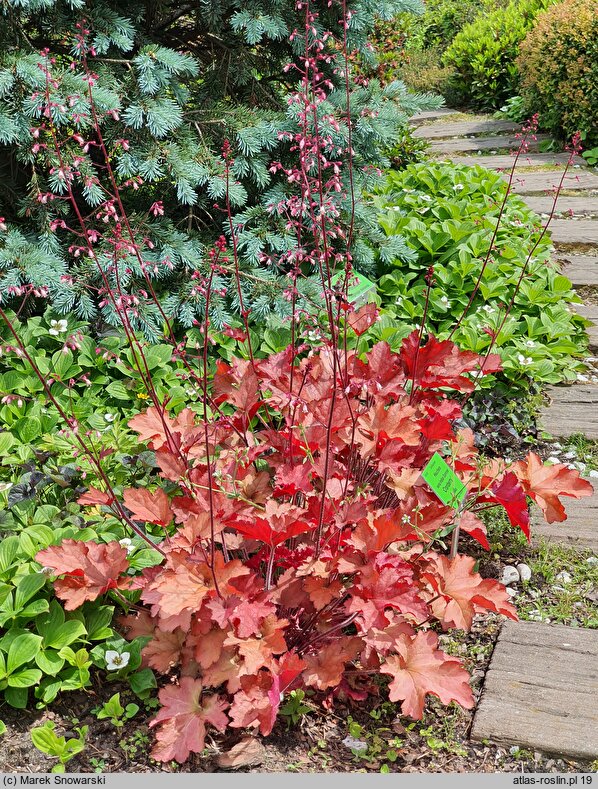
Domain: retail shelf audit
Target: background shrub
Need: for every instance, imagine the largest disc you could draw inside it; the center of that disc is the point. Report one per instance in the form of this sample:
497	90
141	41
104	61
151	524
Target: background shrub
483	55
559	68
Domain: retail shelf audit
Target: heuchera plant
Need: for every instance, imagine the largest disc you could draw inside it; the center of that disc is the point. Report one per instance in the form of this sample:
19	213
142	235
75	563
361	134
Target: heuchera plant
302	548
303	554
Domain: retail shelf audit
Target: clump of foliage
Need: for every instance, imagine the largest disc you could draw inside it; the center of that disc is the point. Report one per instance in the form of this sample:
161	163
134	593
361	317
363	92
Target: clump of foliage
559	69
459	220
100	118
301	545
483	55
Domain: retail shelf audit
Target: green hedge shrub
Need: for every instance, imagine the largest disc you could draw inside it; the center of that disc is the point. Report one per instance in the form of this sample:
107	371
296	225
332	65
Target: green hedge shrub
482	56
558	63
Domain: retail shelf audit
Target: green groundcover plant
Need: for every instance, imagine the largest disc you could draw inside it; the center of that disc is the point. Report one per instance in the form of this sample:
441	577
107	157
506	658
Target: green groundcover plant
451	216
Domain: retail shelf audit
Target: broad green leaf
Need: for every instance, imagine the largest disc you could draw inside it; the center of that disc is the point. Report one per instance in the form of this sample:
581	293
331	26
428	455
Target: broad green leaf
65	634
23	649
27	587
49	661
9	547
2	728
45	740
25	678
16	697
6	442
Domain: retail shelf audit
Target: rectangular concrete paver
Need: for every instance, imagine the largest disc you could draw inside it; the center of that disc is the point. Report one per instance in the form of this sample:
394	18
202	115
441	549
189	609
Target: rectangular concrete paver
580	530
505	161
431	115
580	269
572	409
574	232
549	181
446	130
475	144
579	206
541	690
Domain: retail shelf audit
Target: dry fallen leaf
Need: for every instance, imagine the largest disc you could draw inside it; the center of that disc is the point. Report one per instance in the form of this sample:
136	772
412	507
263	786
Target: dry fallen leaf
249	751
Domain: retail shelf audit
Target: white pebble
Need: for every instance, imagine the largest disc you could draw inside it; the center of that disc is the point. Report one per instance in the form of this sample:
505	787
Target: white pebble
570	455
525	572
512	592
564	577
592	560
553	460
593	473
510	576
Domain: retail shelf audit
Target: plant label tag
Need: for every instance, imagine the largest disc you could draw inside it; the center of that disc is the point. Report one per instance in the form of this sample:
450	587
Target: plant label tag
361	289
444	482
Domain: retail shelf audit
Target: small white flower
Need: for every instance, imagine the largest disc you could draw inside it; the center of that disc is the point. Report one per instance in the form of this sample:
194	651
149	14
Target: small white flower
524	360
127	543
49	571
530	343
4	486
57	327
399	300
427	198
116	660
109	417
405	519
444	300
458	187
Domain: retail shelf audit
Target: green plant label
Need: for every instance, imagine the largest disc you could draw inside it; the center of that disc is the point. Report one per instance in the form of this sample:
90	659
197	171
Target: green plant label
444	482
360	289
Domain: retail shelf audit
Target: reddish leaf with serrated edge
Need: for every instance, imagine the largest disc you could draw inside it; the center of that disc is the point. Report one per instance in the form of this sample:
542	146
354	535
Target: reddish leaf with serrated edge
511	495
151	426
545	484
151	507
460	592
325	668
361	320
249	751
89	569
439	364
420	668
184	715
164	650
475	527
94	497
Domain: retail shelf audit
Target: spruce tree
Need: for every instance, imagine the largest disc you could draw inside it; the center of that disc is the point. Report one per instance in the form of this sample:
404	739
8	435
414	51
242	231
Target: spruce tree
141	98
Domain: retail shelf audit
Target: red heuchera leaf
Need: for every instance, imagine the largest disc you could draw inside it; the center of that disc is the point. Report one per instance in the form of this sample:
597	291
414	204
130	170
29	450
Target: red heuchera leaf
184	715
325	668
151	507
511	495
151	426
89	569
443	364
463	592
361	320
94	496
545	484
475	527
420	668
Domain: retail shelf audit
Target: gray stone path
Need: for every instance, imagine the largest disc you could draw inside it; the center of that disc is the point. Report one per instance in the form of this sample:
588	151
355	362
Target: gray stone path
504	161
445	130
475	144
571	410
579	206
580	269
541	690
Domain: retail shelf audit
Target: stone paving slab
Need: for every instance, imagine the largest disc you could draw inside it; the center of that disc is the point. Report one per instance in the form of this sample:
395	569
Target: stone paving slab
473	145
580	530
580	269
505	161
590	312
576	205
541	690
447	129
431	115
549	180
572	409
571	232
